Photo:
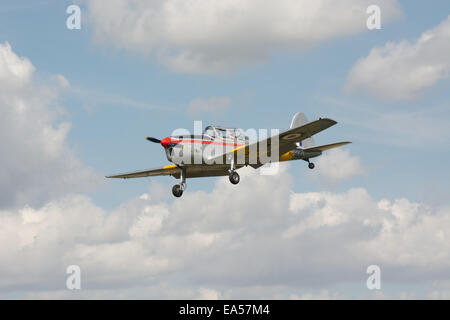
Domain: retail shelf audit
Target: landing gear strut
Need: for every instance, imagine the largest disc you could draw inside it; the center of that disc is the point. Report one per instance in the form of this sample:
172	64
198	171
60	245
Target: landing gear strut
234	176
178	189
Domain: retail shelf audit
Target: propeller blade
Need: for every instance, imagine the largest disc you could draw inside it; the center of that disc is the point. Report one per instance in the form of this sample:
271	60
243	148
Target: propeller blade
153	139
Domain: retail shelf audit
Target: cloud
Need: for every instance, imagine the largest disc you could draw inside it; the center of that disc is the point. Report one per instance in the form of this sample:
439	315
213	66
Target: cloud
266	242
201	36
15	72
337	165
37	163
404	70
216	105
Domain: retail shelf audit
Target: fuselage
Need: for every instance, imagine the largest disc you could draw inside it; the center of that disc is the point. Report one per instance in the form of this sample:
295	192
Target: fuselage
199	149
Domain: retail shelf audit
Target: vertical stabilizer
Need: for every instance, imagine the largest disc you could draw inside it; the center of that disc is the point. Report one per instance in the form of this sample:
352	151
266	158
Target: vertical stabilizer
299	120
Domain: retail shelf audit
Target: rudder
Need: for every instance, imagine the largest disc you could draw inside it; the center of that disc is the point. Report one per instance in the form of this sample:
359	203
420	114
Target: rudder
299	120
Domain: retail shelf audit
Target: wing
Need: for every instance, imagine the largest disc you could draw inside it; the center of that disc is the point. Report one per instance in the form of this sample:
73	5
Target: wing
285	141
192	171
164	171
327	146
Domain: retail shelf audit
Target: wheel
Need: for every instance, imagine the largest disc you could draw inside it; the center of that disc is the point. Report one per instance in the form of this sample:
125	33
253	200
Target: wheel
311	165
177	190
234	177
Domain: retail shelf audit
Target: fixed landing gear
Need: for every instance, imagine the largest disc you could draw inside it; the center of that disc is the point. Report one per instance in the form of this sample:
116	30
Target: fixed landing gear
177	190
234	177
310	164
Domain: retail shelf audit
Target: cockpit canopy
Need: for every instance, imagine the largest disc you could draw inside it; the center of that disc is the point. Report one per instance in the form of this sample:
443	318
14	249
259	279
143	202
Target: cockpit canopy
224	133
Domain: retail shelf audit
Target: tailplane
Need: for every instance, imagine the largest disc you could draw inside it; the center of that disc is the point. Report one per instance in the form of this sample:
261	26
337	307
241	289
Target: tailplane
326	146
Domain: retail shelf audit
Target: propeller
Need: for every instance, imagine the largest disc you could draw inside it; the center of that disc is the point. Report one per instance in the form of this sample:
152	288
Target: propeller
153	139
166	142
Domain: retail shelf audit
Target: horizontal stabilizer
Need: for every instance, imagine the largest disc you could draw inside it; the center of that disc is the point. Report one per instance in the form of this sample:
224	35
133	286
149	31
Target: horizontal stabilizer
327	146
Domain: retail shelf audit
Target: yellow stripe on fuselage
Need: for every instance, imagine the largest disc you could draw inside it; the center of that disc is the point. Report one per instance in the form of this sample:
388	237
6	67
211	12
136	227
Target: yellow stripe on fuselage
239	148
287	156
170	166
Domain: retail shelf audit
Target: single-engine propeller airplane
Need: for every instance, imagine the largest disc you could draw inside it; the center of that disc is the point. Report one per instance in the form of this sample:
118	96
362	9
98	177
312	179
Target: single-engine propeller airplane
220	151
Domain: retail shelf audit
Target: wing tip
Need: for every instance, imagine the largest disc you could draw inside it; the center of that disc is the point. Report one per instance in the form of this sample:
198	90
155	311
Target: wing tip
343	143
116	176
328	119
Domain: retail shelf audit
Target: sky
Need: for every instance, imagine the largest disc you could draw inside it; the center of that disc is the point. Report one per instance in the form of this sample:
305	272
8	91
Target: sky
77	104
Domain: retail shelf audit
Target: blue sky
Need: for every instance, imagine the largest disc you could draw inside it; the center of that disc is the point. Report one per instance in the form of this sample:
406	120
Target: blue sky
119	94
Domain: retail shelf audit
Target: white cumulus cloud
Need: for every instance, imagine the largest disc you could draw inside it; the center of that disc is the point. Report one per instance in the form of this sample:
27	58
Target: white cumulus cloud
37	163
204	36
337	165
266	242
404	70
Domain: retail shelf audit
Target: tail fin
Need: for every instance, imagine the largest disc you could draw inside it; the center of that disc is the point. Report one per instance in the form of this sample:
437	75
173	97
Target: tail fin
298	120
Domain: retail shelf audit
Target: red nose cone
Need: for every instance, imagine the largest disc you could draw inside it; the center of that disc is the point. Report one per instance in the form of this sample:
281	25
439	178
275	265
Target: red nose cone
165	142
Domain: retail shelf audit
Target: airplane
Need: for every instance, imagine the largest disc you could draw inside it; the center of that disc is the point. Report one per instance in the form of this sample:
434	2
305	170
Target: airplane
220	151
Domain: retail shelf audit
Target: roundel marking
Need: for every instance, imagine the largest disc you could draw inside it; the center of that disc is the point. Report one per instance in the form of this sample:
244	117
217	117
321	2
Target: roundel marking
291	136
